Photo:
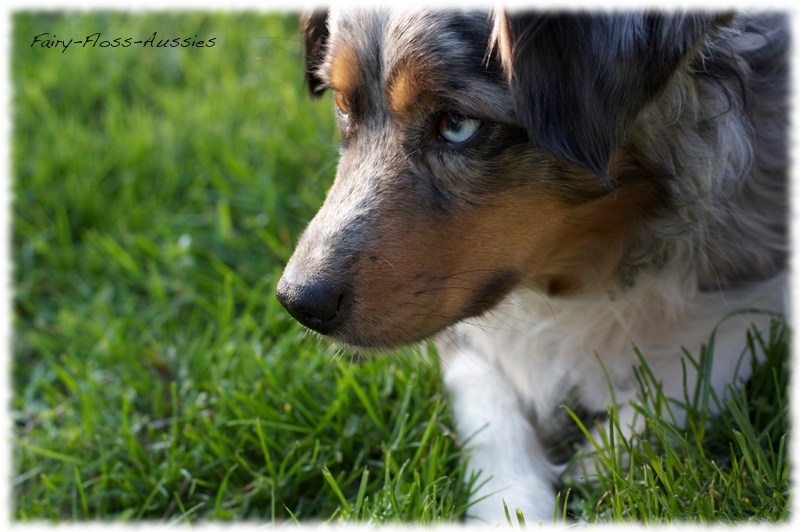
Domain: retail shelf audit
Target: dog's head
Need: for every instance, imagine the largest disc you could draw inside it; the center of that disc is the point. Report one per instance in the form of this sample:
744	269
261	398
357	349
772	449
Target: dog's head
479	153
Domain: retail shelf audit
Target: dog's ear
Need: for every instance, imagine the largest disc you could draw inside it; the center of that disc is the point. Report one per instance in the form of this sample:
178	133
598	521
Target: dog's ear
314	25
580	80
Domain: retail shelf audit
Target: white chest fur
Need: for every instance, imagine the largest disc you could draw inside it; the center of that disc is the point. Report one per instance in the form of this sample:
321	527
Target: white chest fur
522	360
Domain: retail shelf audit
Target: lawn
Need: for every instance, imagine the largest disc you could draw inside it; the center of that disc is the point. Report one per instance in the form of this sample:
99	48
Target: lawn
157	195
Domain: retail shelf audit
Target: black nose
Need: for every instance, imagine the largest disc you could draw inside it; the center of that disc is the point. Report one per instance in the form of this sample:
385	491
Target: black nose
317	305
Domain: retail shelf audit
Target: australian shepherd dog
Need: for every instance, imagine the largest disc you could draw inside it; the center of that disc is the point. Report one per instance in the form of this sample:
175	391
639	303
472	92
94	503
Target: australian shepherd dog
544	193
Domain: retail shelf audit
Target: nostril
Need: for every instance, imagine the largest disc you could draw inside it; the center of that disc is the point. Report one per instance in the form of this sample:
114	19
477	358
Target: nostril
317	305
323	309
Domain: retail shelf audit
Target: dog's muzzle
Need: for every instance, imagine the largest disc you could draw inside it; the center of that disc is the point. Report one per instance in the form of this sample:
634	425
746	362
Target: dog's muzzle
319	305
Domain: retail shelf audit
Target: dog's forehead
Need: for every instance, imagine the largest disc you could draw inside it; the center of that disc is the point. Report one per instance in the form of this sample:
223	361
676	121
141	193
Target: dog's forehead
356	39
377	42
451	38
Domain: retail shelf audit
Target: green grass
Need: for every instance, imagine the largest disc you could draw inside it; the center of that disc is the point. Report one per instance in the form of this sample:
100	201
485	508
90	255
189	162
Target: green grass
157	196
725	468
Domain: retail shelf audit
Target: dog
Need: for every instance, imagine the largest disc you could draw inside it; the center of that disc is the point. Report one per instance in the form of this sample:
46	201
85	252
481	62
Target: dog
543	193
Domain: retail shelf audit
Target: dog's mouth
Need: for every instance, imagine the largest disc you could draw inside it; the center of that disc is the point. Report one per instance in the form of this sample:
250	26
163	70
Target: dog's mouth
405	314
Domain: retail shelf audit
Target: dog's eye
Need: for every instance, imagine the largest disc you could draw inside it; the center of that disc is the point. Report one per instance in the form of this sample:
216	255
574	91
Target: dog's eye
457	128
341	102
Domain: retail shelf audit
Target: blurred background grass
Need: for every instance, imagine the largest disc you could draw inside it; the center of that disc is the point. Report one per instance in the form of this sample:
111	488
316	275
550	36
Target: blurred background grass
157	195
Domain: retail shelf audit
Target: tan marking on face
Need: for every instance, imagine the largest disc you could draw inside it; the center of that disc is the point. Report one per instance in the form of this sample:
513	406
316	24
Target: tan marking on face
345	73
407	87
594	238
425	273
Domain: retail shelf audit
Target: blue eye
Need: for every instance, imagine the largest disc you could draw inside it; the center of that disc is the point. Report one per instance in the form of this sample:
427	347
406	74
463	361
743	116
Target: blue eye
457	128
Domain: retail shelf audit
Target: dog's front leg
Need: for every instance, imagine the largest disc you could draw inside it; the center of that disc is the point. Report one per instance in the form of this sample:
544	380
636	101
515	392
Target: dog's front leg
490	418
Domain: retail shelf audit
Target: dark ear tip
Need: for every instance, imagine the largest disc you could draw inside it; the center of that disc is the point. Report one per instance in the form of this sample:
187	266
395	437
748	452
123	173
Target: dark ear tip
563	143
599	168
605	177
314	27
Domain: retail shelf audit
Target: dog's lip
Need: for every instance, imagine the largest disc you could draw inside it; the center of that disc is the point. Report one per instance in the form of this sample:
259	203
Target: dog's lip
378	342
375	324
384	338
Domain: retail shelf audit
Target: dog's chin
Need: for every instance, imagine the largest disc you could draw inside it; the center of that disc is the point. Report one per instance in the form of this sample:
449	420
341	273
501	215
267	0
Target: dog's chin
376	335
379	341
